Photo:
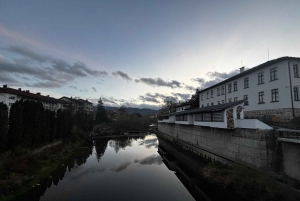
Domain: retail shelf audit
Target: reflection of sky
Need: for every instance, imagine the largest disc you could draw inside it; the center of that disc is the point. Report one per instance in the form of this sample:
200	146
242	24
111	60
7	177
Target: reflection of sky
131	174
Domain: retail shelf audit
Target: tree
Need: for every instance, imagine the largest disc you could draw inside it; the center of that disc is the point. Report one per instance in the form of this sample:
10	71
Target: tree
3	126
194	101
15	124
169	105
101	116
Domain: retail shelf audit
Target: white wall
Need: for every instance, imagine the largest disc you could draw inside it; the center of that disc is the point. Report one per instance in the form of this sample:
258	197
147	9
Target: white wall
252	124
282	84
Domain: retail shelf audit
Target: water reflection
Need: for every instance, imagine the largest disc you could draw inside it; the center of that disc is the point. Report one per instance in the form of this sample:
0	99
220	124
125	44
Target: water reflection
107	173
150	160
120	167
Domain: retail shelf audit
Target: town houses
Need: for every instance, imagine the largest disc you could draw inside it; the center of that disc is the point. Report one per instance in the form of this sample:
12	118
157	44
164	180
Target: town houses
268	92
9	96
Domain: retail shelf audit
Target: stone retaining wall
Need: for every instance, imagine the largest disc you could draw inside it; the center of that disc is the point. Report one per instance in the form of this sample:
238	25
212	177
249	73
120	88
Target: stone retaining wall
250	147
274	115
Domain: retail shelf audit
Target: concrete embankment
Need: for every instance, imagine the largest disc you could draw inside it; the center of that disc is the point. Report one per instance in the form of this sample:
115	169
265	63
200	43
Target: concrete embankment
259	149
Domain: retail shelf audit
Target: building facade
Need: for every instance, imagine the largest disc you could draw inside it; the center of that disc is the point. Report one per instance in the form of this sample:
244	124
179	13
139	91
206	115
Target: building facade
9	96
270	90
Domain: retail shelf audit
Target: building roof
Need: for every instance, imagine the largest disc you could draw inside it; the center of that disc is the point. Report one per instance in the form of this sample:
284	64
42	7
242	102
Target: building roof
256	68
182	104
213	108
26	93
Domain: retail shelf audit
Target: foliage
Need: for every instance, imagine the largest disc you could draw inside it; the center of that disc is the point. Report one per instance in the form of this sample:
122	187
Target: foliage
130	121
194	101
101	115
3	126
169	105
29	124
247	182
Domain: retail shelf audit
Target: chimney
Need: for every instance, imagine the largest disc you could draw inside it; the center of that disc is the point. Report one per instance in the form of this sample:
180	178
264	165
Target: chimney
20	89
5	86
242	69
27	91
38	93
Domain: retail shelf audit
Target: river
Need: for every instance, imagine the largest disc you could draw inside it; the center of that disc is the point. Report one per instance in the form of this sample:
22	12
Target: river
124	168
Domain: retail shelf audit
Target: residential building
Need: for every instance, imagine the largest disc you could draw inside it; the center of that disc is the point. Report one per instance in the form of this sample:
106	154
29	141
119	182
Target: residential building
269	90
9	96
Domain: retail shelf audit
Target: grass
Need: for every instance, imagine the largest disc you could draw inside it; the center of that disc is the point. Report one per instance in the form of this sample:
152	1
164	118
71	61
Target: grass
251	184
19	170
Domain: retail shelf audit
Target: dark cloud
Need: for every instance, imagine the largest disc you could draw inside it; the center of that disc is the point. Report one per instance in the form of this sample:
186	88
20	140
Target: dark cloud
120	167
5	78
109	100
222	76
182	96
150	160
215	78
122	75
190	88
94	89
199	80
149	99
159	82
45	69
24	51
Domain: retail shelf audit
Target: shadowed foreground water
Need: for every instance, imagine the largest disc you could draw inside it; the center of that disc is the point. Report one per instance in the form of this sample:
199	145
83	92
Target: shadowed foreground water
127	168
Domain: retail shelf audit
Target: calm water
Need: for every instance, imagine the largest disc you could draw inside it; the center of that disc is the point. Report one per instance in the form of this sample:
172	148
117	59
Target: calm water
115	169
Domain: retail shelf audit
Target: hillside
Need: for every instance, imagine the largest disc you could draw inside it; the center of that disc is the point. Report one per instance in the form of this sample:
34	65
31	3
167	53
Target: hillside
130	110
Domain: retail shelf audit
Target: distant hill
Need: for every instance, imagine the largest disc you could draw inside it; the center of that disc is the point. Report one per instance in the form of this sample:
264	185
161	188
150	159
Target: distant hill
131	110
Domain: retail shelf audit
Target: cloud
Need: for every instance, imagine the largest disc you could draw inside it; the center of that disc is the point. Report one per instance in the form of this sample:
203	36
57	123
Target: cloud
122	75
120	167
45	69
199	80
24	51
222	76
215	78
94	89
150	160
2	57
6	78
159	82
182	96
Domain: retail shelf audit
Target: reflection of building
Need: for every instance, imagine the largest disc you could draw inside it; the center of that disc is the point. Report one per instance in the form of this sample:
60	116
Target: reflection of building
268	92
9	96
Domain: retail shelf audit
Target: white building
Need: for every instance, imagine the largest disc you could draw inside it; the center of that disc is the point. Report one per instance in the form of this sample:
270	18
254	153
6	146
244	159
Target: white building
9	96
270	90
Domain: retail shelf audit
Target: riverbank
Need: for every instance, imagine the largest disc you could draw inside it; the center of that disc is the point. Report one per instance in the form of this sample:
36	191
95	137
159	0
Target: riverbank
250	184
20	170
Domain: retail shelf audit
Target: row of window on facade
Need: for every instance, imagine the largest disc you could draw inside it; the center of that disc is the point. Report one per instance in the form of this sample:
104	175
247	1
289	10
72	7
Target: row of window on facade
273	76
206	117
261	97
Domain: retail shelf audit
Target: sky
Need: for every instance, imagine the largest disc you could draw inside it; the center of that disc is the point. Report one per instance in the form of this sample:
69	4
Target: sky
136	53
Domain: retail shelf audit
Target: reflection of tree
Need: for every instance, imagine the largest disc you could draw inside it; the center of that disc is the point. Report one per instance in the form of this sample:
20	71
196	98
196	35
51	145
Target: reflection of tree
123	142
100	147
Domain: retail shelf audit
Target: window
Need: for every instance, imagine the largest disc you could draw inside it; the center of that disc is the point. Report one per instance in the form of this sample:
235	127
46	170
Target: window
235	86
295	68
218	102
207	104
223	101
218	117
12	97
230	100
212	104
275	96
296	93
261	97
246	100
202	96
218	91
212	93
207	94
261	78
229	88
235	99
222	90
246	82
206	116
198	117
273	74
202	105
